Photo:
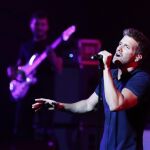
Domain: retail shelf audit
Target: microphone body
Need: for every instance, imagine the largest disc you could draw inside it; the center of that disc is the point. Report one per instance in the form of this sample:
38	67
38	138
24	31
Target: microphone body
97	57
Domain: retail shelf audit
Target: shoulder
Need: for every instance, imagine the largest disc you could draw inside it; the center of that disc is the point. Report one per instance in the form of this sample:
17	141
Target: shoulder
138	83
141	75
27	47
28	42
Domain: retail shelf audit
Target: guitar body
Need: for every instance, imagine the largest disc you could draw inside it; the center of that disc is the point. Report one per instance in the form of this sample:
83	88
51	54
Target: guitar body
19	89
21	85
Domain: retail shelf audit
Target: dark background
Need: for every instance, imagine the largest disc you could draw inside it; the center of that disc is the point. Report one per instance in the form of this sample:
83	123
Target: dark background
101	19
94	19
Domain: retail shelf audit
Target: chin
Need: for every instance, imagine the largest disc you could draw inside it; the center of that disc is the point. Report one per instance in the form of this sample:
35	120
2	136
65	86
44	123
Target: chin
117	62
115	59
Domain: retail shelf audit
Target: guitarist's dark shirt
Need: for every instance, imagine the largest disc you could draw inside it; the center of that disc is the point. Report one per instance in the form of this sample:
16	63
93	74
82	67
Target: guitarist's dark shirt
45	72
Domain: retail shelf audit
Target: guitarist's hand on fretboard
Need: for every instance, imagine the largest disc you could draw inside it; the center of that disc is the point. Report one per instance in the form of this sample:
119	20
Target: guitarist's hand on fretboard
11	72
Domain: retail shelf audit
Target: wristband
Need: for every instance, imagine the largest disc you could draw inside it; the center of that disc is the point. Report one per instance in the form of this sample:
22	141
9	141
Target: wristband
58	106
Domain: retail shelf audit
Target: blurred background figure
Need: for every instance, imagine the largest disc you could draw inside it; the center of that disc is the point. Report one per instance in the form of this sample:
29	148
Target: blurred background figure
24	122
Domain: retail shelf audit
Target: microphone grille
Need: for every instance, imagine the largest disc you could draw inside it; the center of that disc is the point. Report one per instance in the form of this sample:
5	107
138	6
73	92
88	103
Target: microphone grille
92	57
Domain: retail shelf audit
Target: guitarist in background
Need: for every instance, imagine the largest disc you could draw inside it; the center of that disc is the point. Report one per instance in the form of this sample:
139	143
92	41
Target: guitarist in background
44	86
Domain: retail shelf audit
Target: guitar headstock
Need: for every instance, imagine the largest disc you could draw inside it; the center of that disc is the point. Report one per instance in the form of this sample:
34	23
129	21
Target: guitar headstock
68	32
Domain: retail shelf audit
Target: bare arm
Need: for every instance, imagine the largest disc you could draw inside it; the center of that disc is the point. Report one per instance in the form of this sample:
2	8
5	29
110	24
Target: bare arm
81	106
115	99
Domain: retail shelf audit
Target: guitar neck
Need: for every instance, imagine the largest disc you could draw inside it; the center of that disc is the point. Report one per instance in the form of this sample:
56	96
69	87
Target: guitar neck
44	55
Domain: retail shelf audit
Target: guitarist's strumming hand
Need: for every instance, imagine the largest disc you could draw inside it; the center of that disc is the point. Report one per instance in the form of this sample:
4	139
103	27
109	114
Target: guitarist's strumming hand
49	104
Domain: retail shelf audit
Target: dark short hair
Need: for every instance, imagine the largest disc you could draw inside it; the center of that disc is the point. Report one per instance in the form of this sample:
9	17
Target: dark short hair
143	46
140	38
39	15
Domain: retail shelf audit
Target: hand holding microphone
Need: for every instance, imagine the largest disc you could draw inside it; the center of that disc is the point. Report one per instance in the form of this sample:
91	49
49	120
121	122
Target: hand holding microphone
105	57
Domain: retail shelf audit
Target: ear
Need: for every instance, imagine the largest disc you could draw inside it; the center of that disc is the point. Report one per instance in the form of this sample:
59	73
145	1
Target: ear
138	57
31	23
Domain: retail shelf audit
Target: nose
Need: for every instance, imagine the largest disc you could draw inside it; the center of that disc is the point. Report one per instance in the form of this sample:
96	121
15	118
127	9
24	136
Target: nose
119	48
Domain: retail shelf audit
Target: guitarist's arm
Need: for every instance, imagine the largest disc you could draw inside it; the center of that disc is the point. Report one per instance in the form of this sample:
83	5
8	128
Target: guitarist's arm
12	69
22	56
56	60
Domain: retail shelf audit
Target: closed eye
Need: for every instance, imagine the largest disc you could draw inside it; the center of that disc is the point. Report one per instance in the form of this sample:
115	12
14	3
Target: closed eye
120	43
127	46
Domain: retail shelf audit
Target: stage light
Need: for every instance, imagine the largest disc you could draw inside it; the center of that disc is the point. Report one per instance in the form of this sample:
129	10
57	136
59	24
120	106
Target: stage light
71	55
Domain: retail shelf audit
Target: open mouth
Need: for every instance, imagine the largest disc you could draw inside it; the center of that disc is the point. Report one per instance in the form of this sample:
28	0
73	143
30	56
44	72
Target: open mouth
118	55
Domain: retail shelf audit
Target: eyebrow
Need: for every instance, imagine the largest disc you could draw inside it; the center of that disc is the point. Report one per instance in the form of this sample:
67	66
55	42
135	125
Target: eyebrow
126	44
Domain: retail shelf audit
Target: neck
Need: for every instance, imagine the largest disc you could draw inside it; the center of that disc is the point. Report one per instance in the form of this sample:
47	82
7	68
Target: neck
39	38
125	70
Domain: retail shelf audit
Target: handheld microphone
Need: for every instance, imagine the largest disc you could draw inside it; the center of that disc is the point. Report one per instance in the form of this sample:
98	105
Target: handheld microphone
97	57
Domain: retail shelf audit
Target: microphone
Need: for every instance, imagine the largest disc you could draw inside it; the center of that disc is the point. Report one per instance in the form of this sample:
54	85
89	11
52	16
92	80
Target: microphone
97	57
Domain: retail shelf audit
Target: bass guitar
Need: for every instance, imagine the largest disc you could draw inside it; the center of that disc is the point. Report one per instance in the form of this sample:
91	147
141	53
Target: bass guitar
20	86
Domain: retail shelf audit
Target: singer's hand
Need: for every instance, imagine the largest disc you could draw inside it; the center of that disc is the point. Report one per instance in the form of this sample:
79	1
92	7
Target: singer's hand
41	102
107	58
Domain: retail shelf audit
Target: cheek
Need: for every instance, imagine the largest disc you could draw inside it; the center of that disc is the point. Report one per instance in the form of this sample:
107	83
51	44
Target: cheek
128	55
43	28
32	27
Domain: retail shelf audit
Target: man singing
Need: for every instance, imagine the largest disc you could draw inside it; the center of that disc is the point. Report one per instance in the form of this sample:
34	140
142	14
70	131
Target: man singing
123	92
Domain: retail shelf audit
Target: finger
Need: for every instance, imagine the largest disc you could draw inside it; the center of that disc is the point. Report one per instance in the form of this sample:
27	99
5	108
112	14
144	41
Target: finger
51	108
39	99
37	109
42	99
37	105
